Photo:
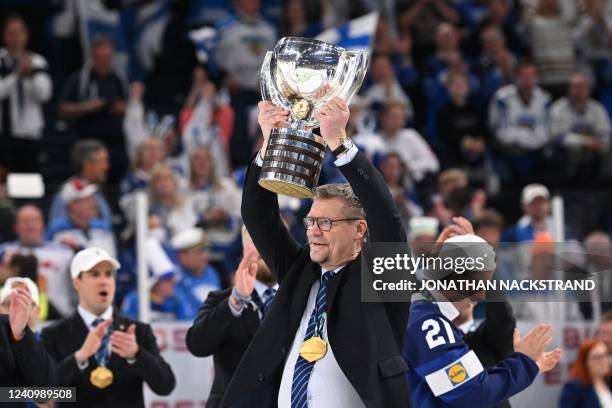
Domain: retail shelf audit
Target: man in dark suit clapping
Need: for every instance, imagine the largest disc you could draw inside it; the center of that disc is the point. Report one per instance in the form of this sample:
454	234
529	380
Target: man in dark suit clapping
228	320
23	361
319	345
104	355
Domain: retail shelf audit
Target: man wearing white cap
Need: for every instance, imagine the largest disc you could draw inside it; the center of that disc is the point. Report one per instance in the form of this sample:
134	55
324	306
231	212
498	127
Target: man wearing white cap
23	361
106	356
82	228
196	277
7	290
535	200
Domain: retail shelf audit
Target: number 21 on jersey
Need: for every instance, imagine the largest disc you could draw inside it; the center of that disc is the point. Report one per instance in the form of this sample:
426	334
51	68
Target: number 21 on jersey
433	337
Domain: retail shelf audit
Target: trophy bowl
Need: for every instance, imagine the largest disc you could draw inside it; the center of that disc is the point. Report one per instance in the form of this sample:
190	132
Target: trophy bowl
301	75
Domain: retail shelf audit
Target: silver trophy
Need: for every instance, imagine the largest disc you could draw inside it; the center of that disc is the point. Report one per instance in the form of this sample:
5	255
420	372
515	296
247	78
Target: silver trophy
301	75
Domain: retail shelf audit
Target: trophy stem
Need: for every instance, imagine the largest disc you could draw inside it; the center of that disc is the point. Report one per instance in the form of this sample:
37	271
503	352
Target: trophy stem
300	125
293	162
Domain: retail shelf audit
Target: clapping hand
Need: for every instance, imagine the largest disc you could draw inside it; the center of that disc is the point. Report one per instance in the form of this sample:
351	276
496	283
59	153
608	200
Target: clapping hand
19	311
247	272
534	344
124	343
92	342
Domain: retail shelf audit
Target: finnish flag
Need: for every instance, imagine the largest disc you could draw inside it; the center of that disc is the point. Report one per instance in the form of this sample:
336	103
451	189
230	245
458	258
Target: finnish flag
356	34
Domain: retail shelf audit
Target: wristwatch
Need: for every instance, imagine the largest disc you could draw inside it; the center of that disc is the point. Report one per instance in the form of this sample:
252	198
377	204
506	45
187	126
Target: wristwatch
345	144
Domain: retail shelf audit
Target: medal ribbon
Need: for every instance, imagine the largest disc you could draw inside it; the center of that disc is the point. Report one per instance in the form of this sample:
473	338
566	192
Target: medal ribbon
103	352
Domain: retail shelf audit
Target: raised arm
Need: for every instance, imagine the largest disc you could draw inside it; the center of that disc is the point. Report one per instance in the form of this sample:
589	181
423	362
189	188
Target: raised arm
260	212
383	217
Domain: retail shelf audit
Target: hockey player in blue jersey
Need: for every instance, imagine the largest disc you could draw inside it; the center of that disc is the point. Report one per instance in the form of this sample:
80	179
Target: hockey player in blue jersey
444	372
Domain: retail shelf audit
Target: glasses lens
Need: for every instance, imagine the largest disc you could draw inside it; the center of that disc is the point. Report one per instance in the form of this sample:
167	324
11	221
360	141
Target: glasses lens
325	224
308	222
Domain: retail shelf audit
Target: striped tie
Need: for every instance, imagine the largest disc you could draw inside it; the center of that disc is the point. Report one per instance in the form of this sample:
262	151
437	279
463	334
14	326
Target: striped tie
268	297
102	353
303	369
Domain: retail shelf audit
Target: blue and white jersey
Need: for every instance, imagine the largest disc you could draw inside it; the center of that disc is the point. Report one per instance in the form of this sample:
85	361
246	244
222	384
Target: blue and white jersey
135	180
98	234
192	291
170	308
517	123
444	372
242	44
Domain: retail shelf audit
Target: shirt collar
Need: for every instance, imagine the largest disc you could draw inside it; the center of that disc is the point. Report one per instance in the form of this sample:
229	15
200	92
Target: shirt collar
448	310
260	288
89	317
467	327
335	271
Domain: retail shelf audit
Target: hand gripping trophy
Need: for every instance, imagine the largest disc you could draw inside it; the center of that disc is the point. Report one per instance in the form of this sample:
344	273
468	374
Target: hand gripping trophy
301	75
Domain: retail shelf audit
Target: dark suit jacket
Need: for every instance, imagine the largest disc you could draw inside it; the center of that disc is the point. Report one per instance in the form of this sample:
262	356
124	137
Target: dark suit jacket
66	336
576	394
492	341
217	332
25	362
371	359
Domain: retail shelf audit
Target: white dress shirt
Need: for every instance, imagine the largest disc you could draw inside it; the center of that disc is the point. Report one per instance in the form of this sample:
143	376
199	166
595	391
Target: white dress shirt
89	317
327	386
260	288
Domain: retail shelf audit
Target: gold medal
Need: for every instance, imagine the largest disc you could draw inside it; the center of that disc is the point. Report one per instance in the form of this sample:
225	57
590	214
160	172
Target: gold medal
101	377
313	349
301	109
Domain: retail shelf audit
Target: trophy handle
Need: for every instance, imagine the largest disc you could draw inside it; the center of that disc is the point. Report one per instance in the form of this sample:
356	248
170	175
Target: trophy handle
352	69
269	90
356	69
264	82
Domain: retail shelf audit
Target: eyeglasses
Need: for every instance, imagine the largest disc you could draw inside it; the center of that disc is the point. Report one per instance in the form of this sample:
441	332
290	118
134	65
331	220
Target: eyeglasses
324	224
599	356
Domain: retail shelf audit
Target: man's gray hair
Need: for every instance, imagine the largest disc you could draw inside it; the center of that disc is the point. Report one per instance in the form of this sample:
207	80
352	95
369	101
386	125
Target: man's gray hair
343	192
84	150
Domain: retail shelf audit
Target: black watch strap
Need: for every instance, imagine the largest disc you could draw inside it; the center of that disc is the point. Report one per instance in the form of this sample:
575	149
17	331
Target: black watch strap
339	150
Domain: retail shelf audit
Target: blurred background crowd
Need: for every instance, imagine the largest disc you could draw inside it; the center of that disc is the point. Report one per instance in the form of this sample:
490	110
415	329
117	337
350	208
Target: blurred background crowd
479	108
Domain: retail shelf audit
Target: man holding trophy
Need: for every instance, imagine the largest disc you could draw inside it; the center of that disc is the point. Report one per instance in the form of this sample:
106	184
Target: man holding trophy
319	345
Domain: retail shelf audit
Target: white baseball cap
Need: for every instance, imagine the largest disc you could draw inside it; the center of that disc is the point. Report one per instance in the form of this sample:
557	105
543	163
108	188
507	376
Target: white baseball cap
468	246
86	259
533	191
190	238
10	284
76	189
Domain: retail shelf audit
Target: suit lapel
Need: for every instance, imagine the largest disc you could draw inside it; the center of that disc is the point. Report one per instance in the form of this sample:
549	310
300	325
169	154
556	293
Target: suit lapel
78	329
306	278
119	324
333	285
78	334
251	312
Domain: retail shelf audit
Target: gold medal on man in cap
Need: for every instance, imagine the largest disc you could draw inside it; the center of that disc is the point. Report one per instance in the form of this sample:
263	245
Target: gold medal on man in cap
313	349
101	377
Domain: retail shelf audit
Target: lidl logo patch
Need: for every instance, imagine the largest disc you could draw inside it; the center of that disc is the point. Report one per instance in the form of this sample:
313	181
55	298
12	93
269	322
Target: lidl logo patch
457	373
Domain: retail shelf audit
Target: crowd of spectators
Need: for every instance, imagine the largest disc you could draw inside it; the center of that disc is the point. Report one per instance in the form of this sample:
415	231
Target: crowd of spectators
475	108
